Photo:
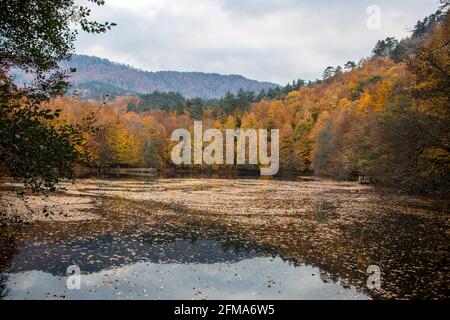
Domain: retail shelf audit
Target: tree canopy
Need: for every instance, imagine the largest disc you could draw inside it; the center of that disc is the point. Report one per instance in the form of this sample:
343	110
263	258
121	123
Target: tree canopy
35	36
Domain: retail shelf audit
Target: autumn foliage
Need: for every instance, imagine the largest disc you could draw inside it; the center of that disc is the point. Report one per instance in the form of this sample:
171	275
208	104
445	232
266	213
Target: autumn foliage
379	118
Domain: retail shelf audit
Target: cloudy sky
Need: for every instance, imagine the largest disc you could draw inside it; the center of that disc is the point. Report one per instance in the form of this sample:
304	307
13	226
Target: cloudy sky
267	40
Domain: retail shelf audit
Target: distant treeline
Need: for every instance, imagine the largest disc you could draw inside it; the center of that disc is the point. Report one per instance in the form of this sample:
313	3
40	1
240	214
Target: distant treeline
227	105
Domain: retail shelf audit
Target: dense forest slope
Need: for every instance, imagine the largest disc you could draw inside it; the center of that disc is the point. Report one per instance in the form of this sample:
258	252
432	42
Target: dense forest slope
386	116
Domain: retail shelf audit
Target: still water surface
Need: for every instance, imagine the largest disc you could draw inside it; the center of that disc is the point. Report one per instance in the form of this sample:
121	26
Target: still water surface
136	265
231	239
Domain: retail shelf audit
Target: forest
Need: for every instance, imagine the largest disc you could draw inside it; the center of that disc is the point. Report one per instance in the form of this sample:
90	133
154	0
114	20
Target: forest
386	117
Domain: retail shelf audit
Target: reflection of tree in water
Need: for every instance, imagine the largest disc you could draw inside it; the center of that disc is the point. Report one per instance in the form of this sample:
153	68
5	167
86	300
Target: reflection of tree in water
8	249
196	232
195	242
190	244
119	240
3	289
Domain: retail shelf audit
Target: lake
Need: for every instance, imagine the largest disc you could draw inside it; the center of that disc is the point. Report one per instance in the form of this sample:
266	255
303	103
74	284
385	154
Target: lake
228	239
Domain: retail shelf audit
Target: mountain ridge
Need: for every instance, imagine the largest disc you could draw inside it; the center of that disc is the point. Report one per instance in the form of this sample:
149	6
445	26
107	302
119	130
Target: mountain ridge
128	79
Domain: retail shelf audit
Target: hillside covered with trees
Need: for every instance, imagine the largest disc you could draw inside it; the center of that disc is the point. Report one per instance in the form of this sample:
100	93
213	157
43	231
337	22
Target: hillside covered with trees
386	116
95	77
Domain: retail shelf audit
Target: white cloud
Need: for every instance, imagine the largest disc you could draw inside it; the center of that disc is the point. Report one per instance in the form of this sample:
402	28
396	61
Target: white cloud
274	40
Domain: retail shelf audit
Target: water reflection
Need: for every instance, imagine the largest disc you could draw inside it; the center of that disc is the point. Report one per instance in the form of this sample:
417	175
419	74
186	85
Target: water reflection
256	278
205	238
104	252
141	261
192	274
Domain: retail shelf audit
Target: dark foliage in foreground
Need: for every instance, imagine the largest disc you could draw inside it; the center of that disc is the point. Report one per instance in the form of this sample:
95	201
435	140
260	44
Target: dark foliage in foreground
34	37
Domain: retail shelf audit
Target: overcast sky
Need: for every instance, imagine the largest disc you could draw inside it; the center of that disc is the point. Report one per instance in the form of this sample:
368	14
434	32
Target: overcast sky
266	40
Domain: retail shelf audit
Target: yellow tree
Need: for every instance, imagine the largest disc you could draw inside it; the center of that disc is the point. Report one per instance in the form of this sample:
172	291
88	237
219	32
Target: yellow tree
121	142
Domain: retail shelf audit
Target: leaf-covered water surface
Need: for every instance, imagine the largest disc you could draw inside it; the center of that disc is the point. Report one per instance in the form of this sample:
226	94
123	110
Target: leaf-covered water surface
230	239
